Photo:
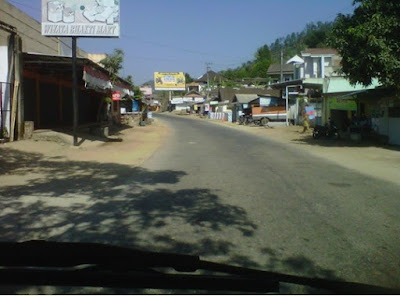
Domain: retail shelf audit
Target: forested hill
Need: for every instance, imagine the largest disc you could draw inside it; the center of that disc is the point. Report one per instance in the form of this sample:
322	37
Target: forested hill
312	36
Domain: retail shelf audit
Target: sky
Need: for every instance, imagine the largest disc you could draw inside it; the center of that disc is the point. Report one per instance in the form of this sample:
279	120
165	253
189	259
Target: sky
184	35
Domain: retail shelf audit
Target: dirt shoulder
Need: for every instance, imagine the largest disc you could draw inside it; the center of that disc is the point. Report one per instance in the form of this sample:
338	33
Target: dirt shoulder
378	161
130	147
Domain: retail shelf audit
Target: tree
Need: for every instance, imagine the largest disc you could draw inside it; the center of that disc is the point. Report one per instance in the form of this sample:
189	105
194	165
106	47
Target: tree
369	42
138	93
260	68
188	78
113	63
263	53
129	79
317	34
313	35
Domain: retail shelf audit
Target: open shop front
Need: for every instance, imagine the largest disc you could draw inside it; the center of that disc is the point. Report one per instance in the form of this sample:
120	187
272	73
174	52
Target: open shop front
47	92
342	111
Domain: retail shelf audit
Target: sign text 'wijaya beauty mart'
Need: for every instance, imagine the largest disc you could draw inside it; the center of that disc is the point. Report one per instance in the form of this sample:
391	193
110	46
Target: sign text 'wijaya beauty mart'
91	18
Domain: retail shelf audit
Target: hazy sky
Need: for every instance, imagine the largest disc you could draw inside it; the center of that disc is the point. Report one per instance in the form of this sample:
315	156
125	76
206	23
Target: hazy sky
183	35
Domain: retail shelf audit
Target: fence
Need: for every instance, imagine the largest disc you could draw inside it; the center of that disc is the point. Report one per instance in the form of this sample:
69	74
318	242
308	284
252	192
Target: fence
5	109
223	116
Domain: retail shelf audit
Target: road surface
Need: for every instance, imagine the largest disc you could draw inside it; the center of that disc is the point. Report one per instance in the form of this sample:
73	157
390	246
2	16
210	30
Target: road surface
222	193
250	201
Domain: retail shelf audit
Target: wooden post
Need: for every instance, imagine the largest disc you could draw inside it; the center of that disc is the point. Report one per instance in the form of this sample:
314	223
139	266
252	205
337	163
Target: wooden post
14	110
15	106
74	92
60	102
37	82
21	99
11	69
1	111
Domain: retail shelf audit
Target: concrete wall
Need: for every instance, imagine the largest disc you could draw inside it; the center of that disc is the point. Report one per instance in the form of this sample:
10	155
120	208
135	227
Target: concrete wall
5	115
30	31
312	67
388	126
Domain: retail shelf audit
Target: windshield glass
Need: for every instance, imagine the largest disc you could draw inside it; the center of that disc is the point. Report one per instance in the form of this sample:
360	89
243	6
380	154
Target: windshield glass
260	134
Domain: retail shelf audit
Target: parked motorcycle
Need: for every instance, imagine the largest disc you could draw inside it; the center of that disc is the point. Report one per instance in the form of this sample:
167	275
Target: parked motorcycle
242	119
328	131
247	118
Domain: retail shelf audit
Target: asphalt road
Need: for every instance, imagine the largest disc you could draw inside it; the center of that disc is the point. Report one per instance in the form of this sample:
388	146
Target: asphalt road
234	197
222	193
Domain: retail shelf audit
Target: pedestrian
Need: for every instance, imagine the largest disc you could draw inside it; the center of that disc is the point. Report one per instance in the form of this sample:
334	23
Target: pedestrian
306	123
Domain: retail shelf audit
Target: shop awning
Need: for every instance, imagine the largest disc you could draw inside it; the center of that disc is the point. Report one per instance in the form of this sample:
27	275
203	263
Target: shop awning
340	85
97	79
94	76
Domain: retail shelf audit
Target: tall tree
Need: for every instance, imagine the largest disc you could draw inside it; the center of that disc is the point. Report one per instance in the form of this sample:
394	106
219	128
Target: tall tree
318	35
263	53
138	93
259	69
262	61
113	63
369	42
129	79
188	78
313	35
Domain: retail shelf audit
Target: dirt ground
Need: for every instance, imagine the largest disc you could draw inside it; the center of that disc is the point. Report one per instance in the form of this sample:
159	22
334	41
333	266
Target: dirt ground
20	161
378	161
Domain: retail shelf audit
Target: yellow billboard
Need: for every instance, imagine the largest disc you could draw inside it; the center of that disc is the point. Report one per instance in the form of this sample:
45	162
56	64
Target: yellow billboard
169	81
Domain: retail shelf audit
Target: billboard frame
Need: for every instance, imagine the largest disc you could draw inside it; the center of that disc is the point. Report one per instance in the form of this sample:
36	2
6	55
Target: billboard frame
80	18
169	81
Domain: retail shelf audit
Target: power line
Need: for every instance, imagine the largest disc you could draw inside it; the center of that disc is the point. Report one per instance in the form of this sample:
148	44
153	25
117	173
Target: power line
176	48
19	3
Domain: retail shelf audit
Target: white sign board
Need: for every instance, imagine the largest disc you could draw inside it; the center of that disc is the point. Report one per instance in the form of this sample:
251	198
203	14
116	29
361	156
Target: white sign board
177	101
265	101
81	18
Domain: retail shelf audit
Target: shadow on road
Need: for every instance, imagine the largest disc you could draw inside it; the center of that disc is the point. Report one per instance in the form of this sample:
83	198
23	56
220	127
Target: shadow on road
75	201
323	142
84	133
110	203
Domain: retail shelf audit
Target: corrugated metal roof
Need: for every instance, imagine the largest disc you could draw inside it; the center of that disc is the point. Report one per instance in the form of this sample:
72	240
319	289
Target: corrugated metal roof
322	51
228	93
245	98
276	69
339	85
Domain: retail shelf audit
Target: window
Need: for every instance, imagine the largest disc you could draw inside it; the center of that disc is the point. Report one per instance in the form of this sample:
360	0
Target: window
328	62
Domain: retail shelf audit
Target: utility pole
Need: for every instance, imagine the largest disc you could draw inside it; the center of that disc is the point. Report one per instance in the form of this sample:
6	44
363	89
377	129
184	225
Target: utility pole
281	80
208	68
